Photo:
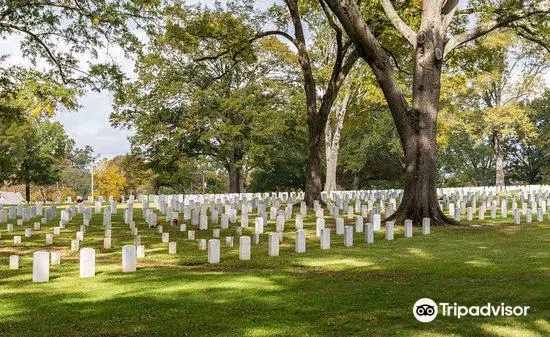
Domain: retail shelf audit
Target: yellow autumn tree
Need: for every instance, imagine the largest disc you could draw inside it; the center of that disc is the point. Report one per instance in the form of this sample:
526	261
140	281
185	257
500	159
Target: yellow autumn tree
109	178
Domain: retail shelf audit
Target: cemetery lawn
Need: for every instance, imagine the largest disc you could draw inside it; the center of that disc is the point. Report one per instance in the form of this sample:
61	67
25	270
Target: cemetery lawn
366	290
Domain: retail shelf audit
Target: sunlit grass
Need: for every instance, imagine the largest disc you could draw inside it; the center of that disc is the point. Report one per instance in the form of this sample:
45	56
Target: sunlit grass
364	290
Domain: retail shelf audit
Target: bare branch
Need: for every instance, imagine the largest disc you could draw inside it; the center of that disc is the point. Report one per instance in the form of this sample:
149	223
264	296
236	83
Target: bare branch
395	61
398	23
329	18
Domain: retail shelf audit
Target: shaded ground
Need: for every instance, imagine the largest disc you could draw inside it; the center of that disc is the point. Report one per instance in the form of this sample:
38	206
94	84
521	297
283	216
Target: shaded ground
366	290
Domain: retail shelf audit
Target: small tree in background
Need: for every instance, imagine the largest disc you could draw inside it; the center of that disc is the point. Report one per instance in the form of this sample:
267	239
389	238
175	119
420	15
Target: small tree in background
109	178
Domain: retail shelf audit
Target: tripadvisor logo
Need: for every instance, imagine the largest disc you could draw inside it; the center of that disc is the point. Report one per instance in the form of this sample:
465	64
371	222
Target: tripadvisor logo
425	310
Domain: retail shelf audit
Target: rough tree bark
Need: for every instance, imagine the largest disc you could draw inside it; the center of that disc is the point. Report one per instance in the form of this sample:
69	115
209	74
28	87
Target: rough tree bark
498	151
356	180
416	124
27	191
317	116
235	170
332	143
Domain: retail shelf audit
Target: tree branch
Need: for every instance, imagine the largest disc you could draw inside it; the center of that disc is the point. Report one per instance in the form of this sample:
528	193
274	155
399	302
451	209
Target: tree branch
487	27
246	45
369	48
38	40
398	23
448	10
329	18
525	30
448	6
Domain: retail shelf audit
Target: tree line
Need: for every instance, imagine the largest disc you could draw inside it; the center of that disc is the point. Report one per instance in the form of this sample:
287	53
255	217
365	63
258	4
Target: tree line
314	95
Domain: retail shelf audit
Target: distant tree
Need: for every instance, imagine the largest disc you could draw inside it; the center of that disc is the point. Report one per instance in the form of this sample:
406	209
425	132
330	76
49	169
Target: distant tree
39	147
185	111
370	154
109	178
529	162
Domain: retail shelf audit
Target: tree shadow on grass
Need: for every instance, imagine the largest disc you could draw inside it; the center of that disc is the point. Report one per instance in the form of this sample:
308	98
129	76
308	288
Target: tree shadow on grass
172	302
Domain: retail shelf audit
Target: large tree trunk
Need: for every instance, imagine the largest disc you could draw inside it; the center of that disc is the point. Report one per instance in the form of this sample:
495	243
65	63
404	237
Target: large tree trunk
234	180
416	125
27	191
332	144
235	170
355	182
498	152
314	182
420	191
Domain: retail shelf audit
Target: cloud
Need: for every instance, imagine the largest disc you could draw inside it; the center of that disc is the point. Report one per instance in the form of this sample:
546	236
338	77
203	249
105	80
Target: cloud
90	125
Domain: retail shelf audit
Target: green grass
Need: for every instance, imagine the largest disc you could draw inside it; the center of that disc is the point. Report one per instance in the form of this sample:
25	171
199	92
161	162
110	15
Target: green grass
366	290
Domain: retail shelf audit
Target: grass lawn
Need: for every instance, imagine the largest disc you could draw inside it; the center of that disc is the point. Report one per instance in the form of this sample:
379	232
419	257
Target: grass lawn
366	290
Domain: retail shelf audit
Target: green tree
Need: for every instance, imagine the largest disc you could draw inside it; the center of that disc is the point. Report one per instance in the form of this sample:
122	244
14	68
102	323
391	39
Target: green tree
530	162
183	109
432	35
40	146
32	146
62	33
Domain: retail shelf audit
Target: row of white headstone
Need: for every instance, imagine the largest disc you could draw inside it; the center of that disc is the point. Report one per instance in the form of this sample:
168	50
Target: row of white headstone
130	253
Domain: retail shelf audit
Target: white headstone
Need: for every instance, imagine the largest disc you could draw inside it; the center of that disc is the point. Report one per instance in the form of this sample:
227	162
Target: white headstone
339	226
74	245
300	241
390	230
40	266
259	225
87	262
129	256
172	247
229	241
425	226
273	244
319	226
107	243
325	238
213	251
216	233
14	261
359	228
55	258
140	251
376	222
409	228
348	236
244	248
369	234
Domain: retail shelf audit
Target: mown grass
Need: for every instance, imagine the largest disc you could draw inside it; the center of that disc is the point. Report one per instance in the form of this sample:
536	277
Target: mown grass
365	290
